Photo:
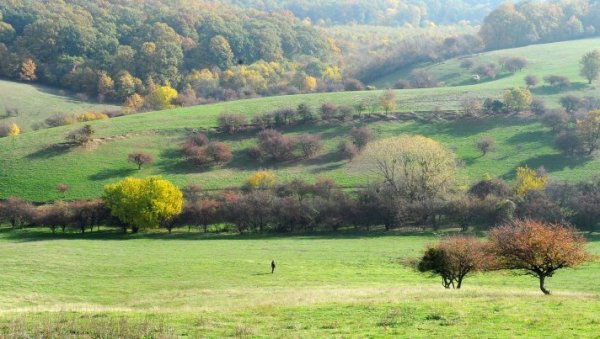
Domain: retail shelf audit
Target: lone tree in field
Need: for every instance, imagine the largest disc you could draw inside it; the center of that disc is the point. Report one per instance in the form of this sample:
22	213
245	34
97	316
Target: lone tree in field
455	257
537	248
590	66
486	145
143	203
140	159
415	167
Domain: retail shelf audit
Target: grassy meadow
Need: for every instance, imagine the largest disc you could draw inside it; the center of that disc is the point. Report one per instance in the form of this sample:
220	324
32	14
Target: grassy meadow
344	285
36	103
34	163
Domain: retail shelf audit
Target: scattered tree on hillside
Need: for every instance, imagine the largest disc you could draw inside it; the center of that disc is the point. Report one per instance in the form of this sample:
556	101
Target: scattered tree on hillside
361	136
531	81
309	145
140	159
557	81
571	103
143	203
9	130
588	129
261	180
486	145
529	180
455	257
517	99
590	66
82	135
537	248
231	122
388	101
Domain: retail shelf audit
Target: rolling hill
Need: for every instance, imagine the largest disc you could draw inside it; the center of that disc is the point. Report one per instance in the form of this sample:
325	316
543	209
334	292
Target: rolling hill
32	166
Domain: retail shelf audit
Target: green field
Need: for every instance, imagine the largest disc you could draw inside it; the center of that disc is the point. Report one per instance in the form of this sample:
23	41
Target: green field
560	58
349	285
36	103
32	165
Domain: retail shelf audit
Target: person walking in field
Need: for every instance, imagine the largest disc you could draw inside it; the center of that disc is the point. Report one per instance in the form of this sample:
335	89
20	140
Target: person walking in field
272	266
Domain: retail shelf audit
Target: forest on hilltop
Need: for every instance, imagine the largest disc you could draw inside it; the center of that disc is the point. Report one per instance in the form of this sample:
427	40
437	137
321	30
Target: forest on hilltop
151	55
416	13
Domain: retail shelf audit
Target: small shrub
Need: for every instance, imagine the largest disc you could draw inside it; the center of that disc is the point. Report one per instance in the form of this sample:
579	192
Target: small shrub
81	136
538	107
275	145
348	150
140	159
361	136
232	122
531	81
486	145
219	152
557	81
309	145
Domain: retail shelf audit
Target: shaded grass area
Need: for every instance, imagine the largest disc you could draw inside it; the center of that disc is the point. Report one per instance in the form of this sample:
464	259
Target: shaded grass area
350	284
36	103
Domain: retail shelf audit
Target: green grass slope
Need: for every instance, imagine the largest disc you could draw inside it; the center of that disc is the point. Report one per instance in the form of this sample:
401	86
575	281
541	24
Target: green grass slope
31	164
36	103
561	58
345	286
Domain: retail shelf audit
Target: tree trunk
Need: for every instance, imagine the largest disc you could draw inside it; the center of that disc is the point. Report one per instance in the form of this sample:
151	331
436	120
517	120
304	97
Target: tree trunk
542	287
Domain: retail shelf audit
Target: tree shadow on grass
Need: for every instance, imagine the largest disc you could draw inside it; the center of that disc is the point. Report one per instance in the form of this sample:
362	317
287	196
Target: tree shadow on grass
528	137
550	90
50	151
111	173
116	234
551	162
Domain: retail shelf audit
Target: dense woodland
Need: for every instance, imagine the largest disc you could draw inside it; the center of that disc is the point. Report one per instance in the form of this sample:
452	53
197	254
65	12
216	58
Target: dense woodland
119	48
123	51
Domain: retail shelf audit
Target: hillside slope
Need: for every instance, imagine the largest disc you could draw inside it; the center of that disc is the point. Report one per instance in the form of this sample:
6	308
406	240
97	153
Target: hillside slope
32	166
36	103
560	58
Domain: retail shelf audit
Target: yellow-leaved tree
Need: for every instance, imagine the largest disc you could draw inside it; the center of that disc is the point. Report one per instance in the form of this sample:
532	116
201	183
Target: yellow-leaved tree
143	203
261	180
529	180
13	130
310	83
161	97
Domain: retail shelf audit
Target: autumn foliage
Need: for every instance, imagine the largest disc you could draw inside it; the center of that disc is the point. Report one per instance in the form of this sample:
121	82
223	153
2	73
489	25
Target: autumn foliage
537	248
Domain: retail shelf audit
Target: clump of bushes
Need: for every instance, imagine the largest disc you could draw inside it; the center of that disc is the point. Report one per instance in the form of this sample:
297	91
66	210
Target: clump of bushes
198	149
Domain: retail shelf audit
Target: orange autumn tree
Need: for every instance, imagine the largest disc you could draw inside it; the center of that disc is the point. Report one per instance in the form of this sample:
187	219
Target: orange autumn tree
537	248
455	257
